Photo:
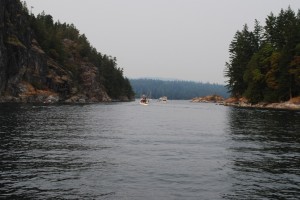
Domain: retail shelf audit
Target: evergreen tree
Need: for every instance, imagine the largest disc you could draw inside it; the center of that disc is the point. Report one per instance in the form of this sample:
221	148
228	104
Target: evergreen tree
264	65
51	35
241	50
176	89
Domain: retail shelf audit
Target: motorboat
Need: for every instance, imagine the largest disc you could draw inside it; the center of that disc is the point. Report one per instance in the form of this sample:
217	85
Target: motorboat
144	100
163	99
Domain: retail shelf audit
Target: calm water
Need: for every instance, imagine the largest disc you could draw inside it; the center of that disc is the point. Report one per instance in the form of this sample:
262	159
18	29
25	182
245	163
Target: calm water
179	150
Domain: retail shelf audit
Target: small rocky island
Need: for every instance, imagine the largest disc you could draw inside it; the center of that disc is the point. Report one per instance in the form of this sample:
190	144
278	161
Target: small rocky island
208	99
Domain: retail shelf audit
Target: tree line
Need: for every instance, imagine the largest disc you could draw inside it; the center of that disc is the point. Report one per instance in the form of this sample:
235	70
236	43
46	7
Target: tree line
264	64
175	89
50	36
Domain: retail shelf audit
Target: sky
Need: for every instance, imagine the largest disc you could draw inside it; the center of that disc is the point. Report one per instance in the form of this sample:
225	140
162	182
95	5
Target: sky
170	39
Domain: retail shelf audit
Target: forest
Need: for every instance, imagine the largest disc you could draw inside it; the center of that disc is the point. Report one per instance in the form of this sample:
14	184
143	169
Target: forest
264	64
175	89
51	36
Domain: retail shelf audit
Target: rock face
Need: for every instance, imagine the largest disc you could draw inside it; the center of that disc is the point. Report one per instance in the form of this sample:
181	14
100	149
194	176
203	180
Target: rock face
208	99
27	74
293	104
18	60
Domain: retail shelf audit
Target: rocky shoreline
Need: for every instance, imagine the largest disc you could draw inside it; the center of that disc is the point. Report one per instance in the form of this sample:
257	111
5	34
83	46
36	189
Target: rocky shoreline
29	94
292	104
208	99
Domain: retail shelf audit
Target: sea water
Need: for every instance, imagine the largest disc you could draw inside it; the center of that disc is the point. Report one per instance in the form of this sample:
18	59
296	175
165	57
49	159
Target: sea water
177	150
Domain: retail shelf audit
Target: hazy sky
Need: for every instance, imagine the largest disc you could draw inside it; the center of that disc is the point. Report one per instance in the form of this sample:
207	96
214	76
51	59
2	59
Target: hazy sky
180	39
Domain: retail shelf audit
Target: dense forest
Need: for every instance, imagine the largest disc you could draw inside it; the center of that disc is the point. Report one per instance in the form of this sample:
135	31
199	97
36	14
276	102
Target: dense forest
50	35
264	64
45	55
175	89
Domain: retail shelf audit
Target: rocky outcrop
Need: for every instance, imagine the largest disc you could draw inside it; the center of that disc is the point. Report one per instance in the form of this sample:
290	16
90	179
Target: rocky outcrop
208	99
91	89
292	104
23	65
27	74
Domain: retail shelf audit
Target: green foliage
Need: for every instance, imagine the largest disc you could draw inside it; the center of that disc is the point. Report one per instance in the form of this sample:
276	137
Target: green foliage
264	65
51	36
176	89
48	36
13	40
241	50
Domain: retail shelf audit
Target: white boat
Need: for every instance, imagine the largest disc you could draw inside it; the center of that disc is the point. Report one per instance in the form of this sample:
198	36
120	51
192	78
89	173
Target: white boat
144	101
163	99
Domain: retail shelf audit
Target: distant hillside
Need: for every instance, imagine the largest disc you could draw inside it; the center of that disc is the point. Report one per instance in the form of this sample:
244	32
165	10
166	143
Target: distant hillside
176	89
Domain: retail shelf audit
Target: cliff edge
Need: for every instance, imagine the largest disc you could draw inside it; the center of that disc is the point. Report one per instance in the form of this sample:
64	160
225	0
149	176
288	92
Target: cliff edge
31	73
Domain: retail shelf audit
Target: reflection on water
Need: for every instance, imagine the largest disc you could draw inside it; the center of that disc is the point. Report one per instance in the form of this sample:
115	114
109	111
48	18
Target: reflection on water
46	154
177	150
265	154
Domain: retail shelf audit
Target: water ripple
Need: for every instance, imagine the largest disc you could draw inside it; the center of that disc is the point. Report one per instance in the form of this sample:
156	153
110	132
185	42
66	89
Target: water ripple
177	150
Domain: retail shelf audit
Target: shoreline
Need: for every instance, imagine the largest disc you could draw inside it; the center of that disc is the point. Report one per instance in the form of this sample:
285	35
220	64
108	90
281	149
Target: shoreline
292	104
268	106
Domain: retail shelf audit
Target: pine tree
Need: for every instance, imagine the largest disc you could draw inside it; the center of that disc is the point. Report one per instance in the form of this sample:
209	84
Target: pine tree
241	50
264	65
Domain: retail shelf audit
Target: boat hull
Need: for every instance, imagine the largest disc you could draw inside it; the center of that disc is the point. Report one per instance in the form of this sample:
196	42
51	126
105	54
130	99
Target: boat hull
144	104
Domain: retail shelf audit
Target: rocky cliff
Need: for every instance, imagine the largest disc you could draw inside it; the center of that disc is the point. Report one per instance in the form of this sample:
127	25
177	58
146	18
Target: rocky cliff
28	74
